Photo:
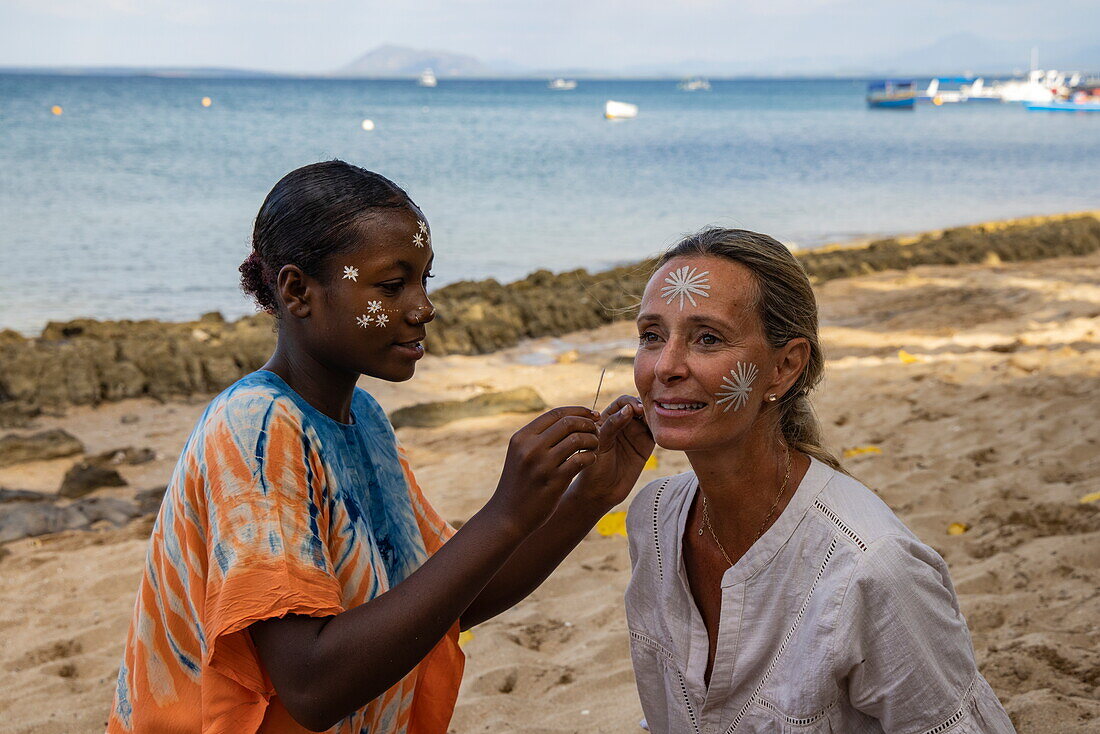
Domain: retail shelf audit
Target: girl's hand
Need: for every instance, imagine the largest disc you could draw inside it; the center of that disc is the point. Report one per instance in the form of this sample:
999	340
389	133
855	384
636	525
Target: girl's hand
543	457
625	444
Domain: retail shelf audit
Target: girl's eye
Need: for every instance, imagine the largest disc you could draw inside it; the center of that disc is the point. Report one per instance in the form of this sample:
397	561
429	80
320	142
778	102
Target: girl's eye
647	337
392	287
426	276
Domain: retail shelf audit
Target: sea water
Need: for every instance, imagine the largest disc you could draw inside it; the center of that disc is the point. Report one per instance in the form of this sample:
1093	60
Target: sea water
137	201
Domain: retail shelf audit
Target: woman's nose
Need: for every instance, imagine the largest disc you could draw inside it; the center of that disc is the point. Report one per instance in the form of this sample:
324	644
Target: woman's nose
671	365
422	314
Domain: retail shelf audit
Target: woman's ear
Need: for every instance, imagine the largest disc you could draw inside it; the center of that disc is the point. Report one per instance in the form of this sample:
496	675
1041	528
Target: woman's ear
293	288
790	363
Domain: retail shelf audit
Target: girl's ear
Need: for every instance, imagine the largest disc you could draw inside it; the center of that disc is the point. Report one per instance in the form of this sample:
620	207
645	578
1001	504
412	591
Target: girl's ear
790	362
293	288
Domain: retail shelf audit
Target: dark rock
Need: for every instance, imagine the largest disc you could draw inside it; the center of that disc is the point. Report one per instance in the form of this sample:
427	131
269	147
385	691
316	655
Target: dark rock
430	415
86	476
38	518
51	444
148	500
23	495
128	455
129	418
17	415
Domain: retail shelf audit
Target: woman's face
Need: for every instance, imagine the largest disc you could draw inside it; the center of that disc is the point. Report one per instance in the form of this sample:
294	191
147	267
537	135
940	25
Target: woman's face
703	363
371	314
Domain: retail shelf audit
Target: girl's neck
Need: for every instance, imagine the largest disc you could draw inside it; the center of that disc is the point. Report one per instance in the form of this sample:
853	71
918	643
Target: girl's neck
328	390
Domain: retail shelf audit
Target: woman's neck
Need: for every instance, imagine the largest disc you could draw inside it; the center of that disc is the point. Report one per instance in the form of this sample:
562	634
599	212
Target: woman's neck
741	483
326	389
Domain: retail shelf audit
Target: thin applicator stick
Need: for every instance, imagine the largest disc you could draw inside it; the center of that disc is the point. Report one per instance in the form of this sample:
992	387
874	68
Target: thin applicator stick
597	398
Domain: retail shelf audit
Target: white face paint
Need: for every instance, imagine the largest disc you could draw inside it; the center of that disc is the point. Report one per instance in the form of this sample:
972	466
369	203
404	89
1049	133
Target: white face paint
422	237
735	393
351	273
381	320
363	321
685	283
374	306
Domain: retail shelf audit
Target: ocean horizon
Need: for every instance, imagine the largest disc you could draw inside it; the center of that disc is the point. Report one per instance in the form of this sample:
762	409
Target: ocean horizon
137	201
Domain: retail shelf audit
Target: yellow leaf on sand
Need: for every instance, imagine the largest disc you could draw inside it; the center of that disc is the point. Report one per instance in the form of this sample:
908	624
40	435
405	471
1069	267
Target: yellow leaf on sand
613	523
906	357
651	462
861	450
1091	497
464	638
957	528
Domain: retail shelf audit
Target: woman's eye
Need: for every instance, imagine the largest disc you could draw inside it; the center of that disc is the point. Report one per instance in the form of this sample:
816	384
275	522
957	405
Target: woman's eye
647	337
709	339
426	276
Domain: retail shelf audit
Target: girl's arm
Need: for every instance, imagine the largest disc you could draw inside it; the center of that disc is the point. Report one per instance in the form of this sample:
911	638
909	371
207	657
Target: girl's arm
324	668
625	444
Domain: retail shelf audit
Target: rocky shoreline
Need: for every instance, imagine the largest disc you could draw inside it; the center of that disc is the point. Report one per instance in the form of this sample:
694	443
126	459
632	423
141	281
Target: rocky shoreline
86	361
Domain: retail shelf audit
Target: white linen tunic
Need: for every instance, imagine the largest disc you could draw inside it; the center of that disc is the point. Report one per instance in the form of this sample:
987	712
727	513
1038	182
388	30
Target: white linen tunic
838	619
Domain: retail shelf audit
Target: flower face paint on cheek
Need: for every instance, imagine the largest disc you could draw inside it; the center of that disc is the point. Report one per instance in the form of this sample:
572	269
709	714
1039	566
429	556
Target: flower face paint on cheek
373	316
684	283
735	392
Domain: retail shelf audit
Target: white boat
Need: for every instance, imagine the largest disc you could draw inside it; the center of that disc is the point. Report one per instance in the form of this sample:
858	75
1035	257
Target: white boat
697	84
1040	86
613	110
427	78
562	85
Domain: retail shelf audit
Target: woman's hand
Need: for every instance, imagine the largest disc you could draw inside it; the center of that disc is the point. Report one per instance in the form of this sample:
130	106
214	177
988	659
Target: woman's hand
543	457
625	444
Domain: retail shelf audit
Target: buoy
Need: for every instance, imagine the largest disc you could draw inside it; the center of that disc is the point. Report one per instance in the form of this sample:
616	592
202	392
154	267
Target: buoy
368	124
206	101
56	109
937	100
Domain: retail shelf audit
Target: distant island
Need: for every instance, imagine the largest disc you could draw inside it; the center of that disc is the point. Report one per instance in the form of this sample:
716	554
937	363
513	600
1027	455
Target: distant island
952	55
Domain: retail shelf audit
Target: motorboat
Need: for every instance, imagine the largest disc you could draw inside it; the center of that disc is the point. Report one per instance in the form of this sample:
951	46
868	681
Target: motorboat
613	110
427	78
562	85
892	94
695	84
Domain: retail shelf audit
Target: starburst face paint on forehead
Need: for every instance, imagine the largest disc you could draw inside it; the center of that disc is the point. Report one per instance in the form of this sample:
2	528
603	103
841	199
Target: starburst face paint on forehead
735	393
351	273
422	236
685	282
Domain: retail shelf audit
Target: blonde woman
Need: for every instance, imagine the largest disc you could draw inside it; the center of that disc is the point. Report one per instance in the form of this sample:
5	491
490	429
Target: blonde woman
770	590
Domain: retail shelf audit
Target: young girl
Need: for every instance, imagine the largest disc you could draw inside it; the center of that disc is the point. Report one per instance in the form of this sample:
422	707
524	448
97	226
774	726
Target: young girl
297	578
771	592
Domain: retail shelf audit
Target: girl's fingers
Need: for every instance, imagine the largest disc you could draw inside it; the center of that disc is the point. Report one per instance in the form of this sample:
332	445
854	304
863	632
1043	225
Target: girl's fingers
573	465
566	427
617	404
570	445
547	420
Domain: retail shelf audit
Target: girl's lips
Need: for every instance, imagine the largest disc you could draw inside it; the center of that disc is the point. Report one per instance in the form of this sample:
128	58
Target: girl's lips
410	350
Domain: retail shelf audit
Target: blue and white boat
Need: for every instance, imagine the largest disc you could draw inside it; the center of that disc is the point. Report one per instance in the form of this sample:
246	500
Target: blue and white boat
892	94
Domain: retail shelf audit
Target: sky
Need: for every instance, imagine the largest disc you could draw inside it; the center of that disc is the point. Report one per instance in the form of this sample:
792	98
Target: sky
318	36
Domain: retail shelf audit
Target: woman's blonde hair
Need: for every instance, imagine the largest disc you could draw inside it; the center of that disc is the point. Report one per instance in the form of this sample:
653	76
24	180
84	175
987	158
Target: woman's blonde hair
788	310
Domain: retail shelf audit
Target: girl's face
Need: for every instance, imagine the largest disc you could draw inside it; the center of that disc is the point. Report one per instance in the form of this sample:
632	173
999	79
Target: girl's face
371	315
703	368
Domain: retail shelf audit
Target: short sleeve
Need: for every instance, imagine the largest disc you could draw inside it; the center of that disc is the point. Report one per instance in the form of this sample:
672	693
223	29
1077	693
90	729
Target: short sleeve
907	650
433	528
267	544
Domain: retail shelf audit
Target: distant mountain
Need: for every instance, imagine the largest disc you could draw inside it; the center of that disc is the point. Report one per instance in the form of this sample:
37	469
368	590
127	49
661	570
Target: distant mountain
400	61
205	72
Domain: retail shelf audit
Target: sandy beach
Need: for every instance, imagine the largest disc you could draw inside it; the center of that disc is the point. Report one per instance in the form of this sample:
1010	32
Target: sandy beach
965	395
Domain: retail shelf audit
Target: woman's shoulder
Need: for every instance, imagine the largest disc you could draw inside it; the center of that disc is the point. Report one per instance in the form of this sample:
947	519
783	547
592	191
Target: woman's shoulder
858	513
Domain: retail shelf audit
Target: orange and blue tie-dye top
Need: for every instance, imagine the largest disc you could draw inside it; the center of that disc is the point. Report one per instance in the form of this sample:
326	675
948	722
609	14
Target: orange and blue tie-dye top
275	509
